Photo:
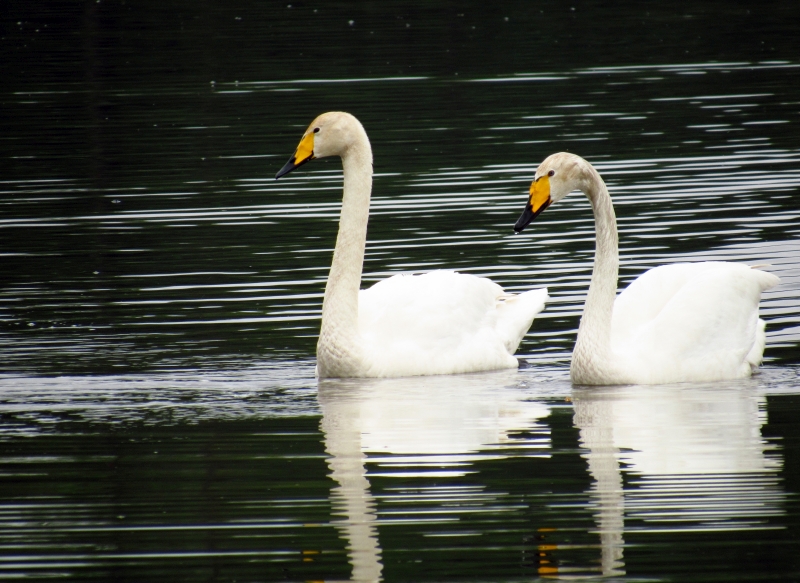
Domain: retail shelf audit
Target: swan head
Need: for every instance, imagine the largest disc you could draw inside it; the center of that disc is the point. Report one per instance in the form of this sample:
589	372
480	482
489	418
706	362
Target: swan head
330	134
555	178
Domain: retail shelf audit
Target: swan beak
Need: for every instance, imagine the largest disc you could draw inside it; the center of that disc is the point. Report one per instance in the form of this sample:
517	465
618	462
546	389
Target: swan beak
540	200
304	153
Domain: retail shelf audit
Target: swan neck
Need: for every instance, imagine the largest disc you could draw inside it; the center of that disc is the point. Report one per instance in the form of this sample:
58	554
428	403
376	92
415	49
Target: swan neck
594	333
339	329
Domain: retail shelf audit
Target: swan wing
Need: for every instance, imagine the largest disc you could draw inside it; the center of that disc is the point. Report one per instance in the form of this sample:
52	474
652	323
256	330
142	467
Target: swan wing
696	321
438	323
647	295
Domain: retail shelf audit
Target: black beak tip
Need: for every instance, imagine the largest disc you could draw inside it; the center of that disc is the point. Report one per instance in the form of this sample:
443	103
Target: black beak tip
528	215
288	167
292	164
524	220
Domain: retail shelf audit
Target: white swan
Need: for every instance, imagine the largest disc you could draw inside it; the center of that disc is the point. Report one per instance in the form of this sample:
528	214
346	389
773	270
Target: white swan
675	323
437	323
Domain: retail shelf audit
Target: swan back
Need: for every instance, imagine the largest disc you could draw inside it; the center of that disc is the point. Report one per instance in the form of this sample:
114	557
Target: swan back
443	322
432	323
691	321
647	295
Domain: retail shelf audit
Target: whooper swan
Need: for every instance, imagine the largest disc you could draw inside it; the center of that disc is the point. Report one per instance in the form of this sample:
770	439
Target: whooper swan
675	323
441	322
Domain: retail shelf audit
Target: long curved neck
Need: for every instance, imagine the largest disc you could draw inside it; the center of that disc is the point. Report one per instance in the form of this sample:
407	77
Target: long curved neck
337	349
594	333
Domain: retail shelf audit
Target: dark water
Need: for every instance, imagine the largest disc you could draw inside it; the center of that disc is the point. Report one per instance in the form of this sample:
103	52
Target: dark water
160	292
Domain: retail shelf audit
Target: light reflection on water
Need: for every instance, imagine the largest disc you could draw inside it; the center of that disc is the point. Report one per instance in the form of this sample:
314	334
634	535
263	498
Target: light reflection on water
30	404
646	241
457	467
424	429
697	453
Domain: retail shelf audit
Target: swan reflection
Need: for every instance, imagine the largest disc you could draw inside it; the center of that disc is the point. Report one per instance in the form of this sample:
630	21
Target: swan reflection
693	455
417	426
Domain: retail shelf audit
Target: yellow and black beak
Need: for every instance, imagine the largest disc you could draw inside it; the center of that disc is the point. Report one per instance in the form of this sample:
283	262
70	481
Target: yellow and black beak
539	200
304	153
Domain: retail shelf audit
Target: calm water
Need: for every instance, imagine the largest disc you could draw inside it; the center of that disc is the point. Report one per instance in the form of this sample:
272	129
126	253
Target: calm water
161	292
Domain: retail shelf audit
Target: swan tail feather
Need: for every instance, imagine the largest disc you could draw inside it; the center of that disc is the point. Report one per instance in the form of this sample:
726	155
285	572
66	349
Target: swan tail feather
766	280
756	354
515	314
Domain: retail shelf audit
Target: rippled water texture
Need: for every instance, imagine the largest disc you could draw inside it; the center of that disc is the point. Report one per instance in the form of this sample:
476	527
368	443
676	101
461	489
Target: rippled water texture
182	271
258	474
161	292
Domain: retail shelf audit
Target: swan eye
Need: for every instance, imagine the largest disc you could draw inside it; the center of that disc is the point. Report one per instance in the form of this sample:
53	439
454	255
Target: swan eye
551	173
316	130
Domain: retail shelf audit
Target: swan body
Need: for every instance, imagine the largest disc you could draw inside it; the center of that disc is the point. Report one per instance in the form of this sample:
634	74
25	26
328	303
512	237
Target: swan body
441	322
675	323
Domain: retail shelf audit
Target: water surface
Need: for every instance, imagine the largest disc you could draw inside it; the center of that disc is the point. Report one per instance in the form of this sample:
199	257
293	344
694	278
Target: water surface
161	293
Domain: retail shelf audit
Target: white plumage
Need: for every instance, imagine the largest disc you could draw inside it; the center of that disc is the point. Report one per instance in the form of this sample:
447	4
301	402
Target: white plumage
441	322
694	321
675	323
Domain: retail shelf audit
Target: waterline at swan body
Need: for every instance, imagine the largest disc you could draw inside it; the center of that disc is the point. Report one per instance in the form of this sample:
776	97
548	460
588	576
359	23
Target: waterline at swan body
441	322
675	323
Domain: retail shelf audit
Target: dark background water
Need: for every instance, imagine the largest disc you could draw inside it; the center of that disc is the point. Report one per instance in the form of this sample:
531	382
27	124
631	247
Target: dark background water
140	142
160	292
